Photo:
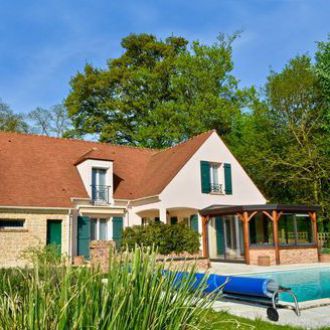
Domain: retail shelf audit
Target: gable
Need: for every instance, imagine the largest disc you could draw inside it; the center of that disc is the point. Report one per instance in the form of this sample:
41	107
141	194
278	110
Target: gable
185	189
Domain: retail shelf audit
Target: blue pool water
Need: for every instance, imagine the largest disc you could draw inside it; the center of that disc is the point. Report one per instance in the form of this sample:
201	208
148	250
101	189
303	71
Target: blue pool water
307	284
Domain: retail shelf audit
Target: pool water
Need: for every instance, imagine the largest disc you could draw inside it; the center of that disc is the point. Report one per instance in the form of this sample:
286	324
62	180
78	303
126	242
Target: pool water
307	284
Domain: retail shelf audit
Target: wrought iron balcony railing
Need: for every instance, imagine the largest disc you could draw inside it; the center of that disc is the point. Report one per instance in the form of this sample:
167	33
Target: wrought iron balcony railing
100	194
216	188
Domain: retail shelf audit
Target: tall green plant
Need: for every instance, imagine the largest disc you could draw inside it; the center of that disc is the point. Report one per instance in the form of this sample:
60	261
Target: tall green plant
134	294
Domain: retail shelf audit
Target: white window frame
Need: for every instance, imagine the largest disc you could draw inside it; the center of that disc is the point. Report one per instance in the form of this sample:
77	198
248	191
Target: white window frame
216	178
108	231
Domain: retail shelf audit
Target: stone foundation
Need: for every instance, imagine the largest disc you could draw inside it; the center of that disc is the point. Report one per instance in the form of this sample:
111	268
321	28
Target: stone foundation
255	253
298	256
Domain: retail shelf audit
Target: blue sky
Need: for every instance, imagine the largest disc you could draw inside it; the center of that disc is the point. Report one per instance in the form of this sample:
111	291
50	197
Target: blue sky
43	43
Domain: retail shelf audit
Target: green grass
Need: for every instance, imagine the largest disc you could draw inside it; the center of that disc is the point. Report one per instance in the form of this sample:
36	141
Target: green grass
223	320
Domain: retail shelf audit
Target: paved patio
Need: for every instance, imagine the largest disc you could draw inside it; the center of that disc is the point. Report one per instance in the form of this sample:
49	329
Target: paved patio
314	314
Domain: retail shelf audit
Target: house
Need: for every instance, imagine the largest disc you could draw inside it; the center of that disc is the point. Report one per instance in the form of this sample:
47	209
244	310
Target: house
70	192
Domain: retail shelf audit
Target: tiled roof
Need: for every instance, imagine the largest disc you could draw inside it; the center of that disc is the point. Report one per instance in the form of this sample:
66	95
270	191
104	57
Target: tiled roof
41	171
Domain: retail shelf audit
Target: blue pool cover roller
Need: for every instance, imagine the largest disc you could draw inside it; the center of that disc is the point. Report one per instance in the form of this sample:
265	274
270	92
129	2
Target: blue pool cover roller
236	285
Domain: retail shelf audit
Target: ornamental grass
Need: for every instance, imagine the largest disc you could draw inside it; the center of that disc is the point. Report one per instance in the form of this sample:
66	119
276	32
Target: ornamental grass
133	294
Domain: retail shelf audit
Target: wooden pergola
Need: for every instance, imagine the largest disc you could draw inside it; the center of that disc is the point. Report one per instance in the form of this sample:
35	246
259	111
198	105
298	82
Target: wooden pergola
246	212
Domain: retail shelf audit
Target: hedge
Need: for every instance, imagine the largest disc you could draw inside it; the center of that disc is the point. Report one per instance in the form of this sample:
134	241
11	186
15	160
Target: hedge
167	239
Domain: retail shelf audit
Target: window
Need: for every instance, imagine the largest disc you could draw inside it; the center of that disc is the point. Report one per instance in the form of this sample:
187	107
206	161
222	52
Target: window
99	187
214	178
261	230
295	229
99	229
12	223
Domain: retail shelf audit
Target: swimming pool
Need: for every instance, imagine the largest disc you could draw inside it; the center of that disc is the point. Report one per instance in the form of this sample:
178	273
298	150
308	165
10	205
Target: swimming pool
307	284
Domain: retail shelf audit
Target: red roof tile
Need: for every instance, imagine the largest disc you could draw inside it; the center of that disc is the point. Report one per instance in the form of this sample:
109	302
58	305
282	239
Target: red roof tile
40	171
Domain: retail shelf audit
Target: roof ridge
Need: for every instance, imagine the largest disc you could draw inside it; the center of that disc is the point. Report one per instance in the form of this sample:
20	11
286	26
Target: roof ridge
185	141
81	140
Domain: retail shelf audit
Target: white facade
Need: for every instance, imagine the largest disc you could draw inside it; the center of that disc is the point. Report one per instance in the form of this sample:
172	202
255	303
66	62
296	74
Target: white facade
184	191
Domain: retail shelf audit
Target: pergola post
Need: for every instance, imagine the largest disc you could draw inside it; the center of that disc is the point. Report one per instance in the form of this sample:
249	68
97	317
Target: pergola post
205	221
275	217
245	219
313	217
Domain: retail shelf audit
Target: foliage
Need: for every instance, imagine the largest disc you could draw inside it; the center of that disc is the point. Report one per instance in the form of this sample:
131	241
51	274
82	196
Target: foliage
157	92
282	142
176	238
11	122
51	122
223	320
134	294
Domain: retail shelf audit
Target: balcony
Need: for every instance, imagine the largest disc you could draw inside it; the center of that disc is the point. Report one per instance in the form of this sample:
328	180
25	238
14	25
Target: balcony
216	188
100	194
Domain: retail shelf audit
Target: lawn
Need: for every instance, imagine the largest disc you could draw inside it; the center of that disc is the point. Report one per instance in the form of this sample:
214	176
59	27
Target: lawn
223	320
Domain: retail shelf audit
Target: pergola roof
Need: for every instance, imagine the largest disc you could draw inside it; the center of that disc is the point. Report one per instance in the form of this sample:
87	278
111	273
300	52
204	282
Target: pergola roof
234	209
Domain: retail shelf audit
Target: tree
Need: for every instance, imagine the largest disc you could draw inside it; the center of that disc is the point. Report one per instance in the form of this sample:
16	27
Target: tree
51	122
11	122
283	142
158	92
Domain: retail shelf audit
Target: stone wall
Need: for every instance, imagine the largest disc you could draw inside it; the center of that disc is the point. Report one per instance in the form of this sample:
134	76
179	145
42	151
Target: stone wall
255	253
298	256
99	257
99	253
14	242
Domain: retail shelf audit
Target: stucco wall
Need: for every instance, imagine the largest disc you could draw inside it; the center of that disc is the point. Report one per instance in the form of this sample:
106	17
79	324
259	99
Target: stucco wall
185	189
14	242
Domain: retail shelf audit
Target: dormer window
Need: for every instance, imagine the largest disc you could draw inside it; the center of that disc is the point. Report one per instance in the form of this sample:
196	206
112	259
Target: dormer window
100	191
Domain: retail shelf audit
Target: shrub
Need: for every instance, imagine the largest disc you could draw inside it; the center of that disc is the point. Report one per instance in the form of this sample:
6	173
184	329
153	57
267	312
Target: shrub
176	238
134	294
326	247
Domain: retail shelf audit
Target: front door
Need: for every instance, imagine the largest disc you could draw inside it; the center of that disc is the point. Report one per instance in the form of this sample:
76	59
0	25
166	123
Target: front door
54	234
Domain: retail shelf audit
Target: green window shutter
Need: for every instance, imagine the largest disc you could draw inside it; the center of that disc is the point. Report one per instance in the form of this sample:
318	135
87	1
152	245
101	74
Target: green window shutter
117	230
228	179
194	222
205	177
219	236
83	236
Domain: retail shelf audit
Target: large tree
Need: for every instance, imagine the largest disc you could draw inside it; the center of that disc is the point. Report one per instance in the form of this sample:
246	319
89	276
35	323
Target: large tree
283	141
158	92
11	122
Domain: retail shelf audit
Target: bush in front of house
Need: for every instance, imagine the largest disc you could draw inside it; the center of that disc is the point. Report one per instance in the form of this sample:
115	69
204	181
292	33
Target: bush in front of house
326	247
167	239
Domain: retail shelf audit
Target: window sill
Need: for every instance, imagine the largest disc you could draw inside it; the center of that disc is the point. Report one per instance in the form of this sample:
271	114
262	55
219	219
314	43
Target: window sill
216	193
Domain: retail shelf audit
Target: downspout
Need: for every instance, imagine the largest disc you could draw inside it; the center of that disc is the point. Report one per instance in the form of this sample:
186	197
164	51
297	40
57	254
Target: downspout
70	234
